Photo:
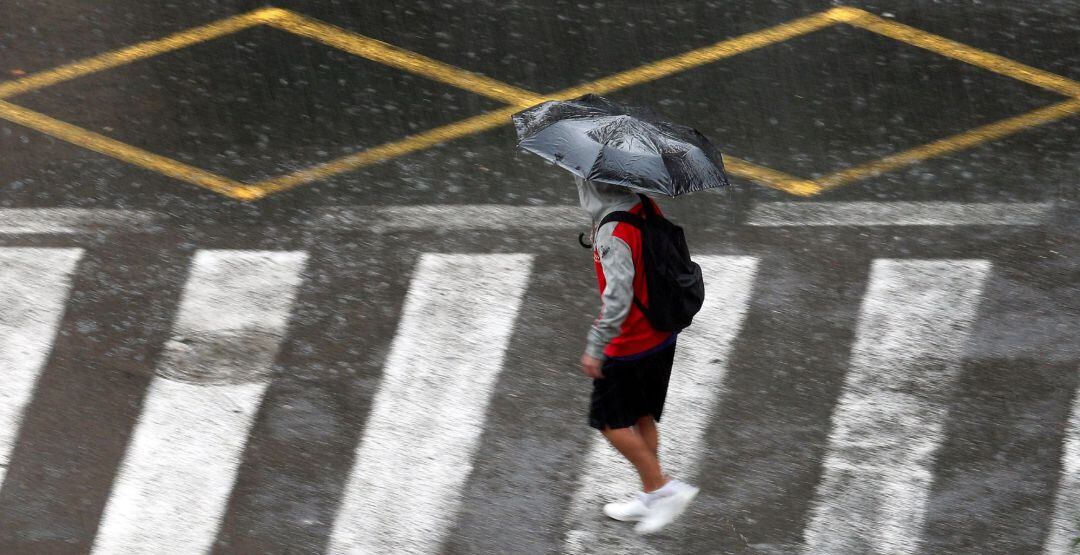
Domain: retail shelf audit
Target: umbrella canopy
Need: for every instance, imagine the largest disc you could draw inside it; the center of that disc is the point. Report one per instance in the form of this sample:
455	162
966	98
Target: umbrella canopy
600	140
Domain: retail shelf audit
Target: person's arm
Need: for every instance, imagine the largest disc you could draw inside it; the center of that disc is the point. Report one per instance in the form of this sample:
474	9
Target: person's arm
617	262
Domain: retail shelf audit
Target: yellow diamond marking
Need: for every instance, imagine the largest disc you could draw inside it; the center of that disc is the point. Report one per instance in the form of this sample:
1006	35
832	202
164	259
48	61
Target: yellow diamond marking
517	98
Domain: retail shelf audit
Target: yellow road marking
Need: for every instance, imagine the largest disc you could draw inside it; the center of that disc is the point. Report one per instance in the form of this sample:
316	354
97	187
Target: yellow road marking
844	14
132	53
669	66
123	151
373	155
412	62
694	58
479	124
520	98
270	15
967	139
771	177
963	52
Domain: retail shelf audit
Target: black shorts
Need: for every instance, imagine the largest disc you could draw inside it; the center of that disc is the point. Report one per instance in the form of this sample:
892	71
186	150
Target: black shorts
631	389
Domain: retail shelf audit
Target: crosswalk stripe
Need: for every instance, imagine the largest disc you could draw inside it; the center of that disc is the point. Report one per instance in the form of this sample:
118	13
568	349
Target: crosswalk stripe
464	217
697	378
180	464
914	320
898	213
427	416
886	427
449	217
1065	525
34	284
75	220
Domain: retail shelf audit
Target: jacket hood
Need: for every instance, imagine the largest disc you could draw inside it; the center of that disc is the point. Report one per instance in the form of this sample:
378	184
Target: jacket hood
600	199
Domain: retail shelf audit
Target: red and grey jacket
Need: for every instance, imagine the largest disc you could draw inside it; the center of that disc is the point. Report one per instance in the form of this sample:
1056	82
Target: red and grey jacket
621	330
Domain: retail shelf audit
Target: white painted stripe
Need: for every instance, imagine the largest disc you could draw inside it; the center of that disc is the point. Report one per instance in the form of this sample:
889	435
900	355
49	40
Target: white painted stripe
450	217
34	283
73	220
454	217
427	416
701	358
866	213
173	485
1065	525
914	321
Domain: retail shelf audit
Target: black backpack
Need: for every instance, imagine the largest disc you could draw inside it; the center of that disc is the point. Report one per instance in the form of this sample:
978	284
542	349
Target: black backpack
676	288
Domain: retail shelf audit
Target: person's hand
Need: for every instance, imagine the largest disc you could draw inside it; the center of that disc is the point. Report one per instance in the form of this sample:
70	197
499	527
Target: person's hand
590	365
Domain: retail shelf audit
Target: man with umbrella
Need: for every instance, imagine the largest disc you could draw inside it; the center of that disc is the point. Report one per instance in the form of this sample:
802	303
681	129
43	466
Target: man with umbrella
614	150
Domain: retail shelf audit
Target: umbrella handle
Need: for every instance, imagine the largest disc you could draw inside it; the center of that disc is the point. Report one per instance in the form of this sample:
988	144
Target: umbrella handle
581	240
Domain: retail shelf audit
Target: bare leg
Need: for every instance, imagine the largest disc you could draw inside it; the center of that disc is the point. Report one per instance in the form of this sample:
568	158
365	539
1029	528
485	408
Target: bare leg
646	428
632	446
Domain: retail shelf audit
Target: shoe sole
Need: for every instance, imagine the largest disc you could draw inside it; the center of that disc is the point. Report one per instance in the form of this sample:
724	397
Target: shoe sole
689	496
629	519
625	519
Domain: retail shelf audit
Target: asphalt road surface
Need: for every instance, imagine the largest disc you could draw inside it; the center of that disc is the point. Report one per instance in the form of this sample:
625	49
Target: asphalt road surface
275	279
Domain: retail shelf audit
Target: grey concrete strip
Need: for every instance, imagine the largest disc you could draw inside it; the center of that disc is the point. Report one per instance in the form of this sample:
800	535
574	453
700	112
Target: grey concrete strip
425	424
1065	527
999	464
296	463
34	287
781	214
914	322
76	426
535	437
769	430
74	220
183	457
449	217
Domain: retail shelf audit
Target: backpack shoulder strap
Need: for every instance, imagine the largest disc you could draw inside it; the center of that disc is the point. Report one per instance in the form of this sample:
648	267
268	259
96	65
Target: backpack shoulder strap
648	207
622	216
636	221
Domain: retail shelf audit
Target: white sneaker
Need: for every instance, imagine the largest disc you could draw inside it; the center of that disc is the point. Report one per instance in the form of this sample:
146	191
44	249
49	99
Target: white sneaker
665	505
630	510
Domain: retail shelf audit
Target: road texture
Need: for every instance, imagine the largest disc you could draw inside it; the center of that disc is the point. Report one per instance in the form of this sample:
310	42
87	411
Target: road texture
274	278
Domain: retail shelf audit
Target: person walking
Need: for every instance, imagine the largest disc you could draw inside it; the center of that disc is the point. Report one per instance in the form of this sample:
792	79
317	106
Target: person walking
628	359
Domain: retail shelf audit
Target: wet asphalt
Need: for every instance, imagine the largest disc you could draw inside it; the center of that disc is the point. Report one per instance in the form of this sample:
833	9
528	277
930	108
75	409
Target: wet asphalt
262	102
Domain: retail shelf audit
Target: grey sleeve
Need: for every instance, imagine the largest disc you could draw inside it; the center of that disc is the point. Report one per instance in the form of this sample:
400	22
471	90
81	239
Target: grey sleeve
618	264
